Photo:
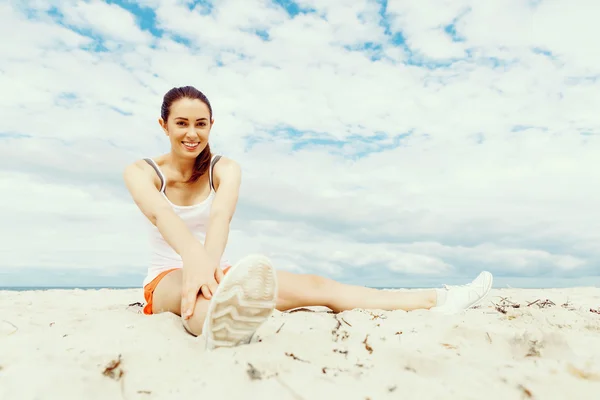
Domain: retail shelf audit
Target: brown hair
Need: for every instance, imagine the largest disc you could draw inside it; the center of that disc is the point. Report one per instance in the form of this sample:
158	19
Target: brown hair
202	163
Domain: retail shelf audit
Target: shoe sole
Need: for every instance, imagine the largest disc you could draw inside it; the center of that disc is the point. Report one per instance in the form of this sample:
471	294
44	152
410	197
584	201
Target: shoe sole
244	300
489	282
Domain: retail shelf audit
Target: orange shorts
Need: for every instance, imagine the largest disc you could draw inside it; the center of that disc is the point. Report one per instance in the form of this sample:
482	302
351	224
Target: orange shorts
149	288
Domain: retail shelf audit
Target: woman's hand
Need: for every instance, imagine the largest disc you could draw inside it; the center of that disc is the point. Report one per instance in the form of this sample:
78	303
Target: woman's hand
201	275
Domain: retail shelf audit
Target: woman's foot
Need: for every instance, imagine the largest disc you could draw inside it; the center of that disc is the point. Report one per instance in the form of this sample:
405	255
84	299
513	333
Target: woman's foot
454	299
244	300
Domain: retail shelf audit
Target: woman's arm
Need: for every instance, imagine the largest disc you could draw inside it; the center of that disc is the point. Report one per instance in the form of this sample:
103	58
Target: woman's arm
141	181
227	178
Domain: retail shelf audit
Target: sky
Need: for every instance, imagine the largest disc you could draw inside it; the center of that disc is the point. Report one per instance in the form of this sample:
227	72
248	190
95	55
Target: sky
382	143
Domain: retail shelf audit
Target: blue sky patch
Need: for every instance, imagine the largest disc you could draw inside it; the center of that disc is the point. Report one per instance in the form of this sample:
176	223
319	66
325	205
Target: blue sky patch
450	29
145	16
377	144
181	40
263	34
66	99
383	20
293	8
547	53
202	7
98	43
373	50
355	146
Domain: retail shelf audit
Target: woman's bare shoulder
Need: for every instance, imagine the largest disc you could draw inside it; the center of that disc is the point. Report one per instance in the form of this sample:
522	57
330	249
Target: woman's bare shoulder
226	165
146	169
226	169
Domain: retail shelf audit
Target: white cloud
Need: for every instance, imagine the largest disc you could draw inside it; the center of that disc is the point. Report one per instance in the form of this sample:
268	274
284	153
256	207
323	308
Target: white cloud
34	37
58	225
498	170
108	20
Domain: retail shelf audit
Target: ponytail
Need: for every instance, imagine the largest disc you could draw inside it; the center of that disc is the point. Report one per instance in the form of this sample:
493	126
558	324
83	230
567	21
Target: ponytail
201	165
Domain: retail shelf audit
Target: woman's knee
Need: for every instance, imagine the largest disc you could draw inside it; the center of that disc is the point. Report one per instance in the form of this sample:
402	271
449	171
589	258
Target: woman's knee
299	285
315	282
301	290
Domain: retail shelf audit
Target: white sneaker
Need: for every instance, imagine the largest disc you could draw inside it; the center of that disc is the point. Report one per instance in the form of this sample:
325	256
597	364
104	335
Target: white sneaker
244	300
460	298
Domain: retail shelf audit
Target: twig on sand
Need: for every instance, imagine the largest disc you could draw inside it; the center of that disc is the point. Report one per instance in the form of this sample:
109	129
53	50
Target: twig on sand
500	309
344	352
512	303
533	302
296	358
547	303
13	325
367	345
335	332
504	304
325	369
346	322
337	327
526	391
567	304
542	304
278	330
376	316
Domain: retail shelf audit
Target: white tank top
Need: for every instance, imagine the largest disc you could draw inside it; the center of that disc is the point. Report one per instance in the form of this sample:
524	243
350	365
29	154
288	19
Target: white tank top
195	217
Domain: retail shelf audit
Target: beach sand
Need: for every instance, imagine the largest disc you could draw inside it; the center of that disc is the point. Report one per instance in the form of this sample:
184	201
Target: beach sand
59	344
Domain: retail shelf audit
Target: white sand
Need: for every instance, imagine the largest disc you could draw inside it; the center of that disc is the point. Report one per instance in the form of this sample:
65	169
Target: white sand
65	339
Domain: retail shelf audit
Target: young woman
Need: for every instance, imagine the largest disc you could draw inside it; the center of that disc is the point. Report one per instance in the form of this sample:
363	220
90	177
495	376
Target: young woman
190	196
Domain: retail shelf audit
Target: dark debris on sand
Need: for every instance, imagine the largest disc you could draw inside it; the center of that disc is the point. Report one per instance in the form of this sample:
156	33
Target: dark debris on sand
113	370
506	303
253	373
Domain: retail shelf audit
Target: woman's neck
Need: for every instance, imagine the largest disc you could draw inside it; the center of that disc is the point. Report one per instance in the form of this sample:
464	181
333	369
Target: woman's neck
184	167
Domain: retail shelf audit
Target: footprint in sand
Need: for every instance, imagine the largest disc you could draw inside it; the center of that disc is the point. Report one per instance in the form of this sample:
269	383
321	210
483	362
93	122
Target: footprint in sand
547	345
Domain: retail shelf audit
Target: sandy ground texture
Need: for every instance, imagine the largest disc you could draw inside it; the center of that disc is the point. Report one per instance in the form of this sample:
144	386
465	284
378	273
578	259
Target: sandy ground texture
80	344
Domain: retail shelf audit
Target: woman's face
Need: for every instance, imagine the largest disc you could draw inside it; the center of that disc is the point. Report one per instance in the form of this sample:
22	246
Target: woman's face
188	127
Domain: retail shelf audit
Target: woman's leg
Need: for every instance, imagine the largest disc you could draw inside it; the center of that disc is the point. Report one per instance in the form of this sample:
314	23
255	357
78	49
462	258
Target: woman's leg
299	290
245	299
167	298
303	290
311	290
